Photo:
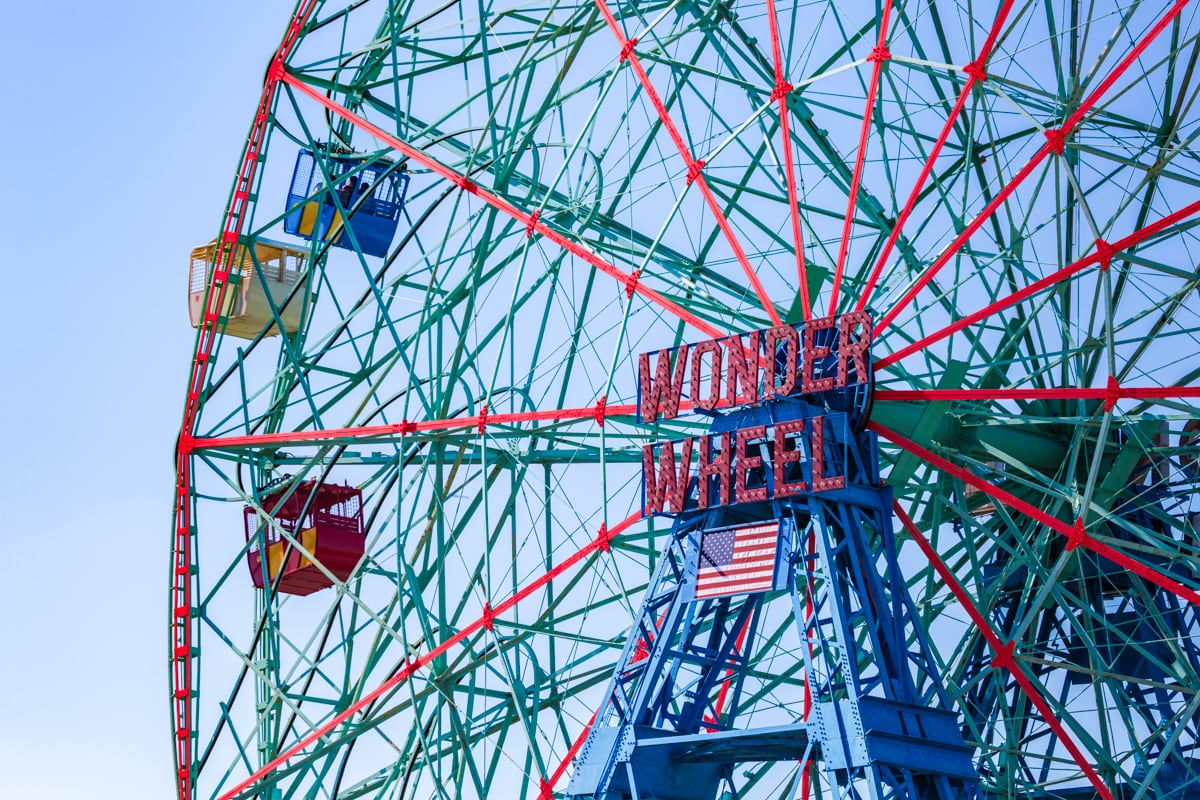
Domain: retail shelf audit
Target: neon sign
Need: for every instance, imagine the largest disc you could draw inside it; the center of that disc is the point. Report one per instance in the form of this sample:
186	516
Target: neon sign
783	457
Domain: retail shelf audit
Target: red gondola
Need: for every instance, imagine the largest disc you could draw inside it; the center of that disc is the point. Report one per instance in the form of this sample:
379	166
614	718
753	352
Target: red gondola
330	528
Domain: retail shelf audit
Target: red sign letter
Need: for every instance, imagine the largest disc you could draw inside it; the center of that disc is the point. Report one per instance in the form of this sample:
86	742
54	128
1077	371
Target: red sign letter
812	353
787	334
849	348
669	484
664	390
782	457
743	369
714	377
718	466
746	462
820	482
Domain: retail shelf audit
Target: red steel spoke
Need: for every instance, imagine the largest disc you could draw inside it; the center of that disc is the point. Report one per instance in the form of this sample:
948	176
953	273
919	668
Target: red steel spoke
1110	394
598	412
530	220
975	74
1054	144
206	337
1102	257
1075	534
602	542
1004	651
878	56
547	788
782	90
695	169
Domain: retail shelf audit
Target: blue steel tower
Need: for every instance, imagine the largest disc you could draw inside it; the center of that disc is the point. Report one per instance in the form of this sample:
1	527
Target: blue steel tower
794	513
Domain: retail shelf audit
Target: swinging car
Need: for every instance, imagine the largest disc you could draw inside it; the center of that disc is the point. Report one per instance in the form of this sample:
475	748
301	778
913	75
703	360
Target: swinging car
326	520
363	200
248	301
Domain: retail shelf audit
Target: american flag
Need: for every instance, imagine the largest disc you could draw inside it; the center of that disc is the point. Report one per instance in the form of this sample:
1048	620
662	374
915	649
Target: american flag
737	560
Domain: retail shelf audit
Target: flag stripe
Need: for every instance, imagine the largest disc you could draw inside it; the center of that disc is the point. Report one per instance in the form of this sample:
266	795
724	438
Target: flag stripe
725	574
737	560
749	577
739	586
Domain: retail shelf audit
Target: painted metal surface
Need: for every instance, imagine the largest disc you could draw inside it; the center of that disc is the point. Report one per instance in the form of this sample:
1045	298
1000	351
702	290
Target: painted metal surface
1011	188
682	674
351	201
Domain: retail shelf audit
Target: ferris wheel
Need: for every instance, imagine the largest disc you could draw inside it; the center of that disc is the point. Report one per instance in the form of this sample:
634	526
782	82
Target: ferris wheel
430	540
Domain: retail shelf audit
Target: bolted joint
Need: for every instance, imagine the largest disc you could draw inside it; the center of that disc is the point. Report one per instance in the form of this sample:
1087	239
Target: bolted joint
1076	536
627	50
1004	657
275	71
880	54
532	222
598	413
1112	393
1057	139
489	617
407	428
782	90
694	170
1104	254
631	281
603	539
975	71
483	415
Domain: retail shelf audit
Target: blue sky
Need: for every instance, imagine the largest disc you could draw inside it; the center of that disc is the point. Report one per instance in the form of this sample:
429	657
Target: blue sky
124	123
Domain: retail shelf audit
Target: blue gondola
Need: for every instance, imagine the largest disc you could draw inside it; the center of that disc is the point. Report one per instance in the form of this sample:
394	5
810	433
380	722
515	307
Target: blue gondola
369	190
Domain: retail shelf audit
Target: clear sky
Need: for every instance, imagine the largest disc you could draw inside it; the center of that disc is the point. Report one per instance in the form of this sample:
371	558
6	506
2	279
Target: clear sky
123	124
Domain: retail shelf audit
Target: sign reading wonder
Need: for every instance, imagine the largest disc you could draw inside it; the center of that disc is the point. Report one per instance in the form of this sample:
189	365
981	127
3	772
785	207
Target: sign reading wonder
728	372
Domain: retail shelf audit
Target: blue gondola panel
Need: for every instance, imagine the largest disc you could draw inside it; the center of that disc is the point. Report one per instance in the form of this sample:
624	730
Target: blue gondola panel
370	190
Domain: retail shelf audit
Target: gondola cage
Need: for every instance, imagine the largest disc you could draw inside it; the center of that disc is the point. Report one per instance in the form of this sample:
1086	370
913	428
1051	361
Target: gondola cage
357	198
249	300
327	522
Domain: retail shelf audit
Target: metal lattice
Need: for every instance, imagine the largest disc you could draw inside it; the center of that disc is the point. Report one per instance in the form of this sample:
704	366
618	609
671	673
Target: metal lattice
1011	187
